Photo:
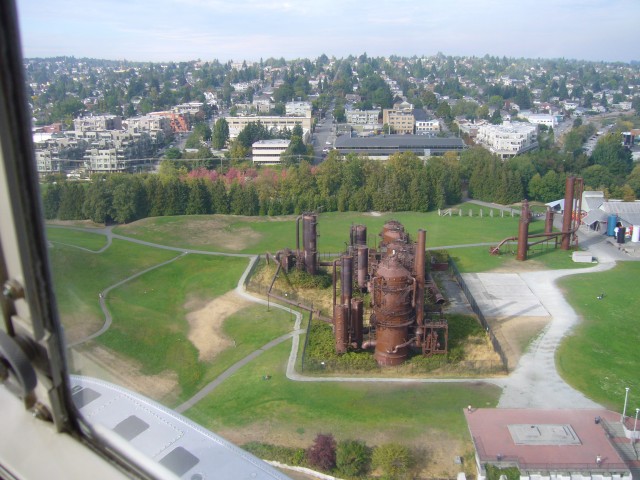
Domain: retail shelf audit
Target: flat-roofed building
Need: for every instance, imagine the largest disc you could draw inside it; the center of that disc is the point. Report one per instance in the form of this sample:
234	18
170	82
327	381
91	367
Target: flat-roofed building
362	117
400	121
509	139
549	444
298	109
97	122
237	124
267	152
380	147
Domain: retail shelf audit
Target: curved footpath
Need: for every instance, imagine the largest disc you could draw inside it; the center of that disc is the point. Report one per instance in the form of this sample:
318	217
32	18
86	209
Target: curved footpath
535	382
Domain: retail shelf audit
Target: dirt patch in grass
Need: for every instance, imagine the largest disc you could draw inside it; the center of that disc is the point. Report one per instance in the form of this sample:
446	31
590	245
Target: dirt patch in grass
516	266
205	323
515	334
100	362
197	232
79	325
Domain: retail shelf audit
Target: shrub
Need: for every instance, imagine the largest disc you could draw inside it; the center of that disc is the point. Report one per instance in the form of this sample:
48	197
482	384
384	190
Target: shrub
266	451
353	458
394	460
322	454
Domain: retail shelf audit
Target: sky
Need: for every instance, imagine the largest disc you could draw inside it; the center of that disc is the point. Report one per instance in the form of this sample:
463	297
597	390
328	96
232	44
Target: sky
183	30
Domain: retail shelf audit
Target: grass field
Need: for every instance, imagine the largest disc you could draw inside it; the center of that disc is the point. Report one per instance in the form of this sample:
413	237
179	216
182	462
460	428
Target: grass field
285	412
150	328
601	357
478	259
79	277
91	241
227	233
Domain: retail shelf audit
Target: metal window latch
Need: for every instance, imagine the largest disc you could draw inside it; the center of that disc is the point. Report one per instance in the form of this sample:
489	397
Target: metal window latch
16	371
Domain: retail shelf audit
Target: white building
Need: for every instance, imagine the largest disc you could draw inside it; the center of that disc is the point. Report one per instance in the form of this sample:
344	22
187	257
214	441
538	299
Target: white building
362	117
267	152
509	139
298	109
276	123
550	121
97	122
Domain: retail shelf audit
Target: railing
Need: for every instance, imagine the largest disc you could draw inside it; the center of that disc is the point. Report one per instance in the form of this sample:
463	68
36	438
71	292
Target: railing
476	309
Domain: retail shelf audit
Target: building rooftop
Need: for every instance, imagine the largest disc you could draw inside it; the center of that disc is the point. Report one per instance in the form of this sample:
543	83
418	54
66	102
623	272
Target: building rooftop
545	440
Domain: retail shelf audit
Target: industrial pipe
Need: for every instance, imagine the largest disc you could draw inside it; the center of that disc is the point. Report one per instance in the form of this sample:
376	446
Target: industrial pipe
405	344
368	344
298	235
363	266
548	221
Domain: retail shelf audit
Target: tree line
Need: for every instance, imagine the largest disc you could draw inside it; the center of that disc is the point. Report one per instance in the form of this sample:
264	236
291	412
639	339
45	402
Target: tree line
405	182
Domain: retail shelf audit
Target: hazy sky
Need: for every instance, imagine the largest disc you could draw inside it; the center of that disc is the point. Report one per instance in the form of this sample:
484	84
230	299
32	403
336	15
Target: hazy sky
158	30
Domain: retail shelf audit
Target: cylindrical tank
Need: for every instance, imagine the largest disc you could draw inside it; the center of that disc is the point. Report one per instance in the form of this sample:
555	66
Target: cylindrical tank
393	307
346	279
363	266
635	234
523	232
612	221
361	235
310	242
392	231
340	328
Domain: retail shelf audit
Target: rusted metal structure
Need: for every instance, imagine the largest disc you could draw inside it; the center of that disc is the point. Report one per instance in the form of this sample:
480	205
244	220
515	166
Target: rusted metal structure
393	300
397	279
523	232
310	242
358	235
570	223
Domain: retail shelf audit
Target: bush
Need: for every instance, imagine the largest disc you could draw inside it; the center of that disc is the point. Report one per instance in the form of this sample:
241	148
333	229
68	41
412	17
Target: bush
302	279
322	454
494	473
394	460
353	458
286	455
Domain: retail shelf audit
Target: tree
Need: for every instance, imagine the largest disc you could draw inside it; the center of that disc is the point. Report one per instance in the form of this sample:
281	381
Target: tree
394	460
220	133
610	153
97	204
353	458
51	200
322	453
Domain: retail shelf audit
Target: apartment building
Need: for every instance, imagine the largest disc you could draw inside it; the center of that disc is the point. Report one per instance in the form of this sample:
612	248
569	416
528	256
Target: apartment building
362	117
267	152
98	122
509	139
298	109
277	123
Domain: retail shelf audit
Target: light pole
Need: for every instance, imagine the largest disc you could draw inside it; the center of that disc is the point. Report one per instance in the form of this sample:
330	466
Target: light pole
624	410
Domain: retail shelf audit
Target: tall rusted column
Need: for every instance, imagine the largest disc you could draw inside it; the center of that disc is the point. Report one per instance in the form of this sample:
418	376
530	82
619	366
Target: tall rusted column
361	235
310	242
346	280
420	275
357	316
523	232
568	213
340	328
548	221
363	266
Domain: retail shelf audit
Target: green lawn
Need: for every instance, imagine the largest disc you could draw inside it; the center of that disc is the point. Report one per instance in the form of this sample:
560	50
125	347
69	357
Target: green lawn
91	241
149	315
397	412
601	357
79	277
227	233
478	259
